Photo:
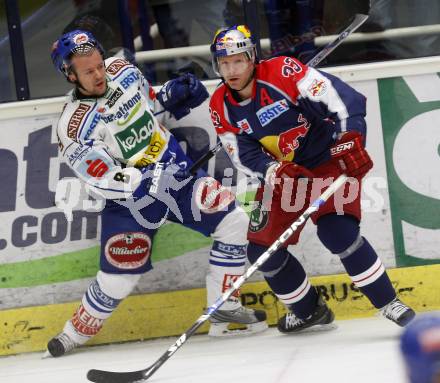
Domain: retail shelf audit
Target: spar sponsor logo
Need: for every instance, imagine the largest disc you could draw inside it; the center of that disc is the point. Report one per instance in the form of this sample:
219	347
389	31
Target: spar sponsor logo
269	112
123	111
136	136
75	120
97	167
128	250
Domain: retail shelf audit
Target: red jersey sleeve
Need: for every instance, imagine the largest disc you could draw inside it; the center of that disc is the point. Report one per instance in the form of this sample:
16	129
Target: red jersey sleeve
217	111
283	72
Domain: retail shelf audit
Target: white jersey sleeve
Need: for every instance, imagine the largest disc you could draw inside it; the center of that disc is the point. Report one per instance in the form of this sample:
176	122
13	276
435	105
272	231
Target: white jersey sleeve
90	159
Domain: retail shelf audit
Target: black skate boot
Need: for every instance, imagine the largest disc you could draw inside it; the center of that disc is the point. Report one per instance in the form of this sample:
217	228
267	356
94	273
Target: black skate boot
254	321
398	312
322	317
60	345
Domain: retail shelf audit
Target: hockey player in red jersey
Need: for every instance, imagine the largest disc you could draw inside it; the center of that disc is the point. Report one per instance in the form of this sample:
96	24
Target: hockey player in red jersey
288	125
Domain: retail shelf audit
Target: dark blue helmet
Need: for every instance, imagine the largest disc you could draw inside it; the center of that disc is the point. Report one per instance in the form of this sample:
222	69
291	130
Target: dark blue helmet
420	346
74	42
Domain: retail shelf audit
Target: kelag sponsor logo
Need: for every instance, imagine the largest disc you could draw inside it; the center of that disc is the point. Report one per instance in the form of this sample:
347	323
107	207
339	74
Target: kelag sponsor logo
136	136
410	110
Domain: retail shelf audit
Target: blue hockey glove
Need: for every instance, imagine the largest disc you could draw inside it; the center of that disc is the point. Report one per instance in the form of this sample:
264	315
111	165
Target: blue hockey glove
180	95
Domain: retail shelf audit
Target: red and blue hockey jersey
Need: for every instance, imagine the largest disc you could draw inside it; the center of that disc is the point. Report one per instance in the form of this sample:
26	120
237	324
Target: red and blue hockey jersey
295	114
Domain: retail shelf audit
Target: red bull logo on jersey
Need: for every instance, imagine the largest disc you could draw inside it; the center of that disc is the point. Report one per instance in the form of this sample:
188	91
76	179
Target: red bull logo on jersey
318	88
288	140
269	112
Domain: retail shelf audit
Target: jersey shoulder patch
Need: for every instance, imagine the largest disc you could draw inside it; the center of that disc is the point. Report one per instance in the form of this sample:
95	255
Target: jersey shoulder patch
74	117
115	65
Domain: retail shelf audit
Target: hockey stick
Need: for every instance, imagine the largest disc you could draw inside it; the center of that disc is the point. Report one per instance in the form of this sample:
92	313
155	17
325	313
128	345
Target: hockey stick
100	376
358	20
205	158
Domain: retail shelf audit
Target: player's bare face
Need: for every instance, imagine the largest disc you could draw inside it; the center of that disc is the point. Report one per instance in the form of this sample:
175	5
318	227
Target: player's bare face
236	70
90	73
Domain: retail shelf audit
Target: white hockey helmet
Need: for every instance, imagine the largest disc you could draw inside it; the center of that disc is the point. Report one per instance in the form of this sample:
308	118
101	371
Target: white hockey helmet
231	41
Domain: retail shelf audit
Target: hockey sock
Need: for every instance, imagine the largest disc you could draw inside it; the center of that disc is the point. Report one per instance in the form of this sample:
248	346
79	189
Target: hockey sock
97	305
226	265
340	234
288	280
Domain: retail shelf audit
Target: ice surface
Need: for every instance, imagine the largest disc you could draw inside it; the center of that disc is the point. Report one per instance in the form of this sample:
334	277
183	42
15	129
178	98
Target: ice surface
361	351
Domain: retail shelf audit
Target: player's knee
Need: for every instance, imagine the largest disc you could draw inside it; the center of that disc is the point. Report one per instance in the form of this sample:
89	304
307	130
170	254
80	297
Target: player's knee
339	233
233	228
274	264
117	286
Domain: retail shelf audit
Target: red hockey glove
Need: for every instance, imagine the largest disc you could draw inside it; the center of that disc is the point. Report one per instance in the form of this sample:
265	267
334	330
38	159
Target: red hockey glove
284	170
354	160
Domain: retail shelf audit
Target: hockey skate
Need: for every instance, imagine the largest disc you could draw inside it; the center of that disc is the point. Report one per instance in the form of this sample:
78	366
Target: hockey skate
398	312
253	320
320	319
60	345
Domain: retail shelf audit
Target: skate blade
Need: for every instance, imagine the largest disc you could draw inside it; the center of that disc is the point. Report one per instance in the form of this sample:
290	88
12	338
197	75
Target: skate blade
315	328
46	355
223	330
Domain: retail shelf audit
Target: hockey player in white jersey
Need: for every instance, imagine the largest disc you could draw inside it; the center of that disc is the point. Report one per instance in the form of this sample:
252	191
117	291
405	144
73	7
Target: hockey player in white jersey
110	136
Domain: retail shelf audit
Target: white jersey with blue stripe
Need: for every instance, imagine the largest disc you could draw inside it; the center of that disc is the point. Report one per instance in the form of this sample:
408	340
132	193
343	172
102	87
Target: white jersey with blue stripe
106	139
